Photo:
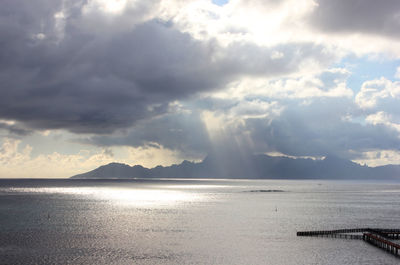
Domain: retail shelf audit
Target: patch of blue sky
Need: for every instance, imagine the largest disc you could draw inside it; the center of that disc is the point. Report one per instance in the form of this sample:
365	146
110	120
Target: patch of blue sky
364	69
220	2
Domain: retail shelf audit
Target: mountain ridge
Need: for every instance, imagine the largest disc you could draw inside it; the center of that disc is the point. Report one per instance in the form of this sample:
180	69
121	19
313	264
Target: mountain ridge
250	167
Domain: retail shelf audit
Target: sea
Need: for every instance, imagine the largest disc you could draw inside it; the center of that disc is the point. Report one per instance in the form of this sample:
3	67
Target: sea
191	221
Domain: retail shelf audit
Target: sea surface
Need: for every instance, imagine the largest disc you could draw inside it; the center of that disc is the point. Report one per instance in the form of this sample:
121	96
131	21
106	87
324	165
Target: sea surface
191	221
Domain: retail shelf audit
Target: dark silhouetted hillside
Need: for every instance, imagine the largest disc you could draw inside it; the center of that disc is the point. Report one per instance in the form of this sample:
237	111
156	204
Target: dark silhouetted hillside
253	167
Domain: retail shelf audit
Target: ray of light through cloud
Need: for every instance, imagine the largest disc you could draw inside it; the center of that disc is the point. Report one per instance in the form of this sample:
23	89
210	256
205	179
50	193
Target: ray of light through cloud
84	83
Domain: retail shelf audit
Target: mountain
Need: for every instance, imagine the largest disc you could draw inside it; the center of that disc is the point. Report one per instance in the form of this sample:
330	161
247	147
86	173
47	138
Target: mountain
253	167
114	170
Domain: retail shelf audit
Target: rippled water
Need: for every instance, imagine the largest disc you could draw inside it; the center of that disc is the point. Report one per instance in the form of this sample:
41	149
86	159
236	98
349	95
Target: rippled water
191	221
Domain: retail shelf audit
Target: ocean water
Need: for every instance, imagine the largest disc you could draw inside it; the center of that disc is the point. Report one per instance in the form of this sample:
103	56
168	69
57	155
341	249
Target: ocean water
191	221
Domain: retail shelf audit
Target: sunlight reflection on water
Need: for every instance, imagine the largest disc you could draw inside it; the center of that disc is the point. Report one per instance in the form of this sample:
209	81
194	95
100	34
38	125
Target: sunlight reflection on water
196	187
190	221
147	197
120	196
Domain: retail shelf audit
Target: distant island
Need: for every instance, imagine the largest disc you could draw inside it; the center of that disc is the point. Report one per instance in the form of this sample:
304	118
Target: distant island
251	167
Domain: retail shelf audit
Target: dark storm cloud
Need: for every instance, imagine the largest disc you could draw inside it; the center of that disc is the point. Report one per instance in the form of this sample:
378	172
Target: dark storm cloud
320	128
366	16
316	129
89	73
14	130
184	132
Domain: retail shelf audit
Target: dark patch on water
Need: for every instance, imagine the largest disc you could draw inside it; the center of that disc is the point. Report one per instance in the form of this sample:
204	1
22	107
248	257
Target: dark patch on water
265	191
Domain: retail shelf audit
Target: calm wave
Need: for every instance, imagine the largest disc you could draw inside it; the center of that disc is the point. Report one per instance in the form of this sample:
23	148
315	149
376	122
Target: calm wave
190	221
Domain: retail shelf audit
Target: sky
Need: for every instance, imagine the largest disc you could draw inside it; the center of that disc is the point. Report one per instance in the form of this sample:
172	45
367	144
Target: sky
87	82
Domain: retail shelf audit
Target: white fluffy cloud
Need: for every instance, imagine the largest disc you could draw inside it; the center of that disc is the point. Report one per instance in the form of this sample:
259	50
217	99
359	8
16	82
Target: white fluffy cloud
379	157
397	74
382	118
378	93
368	28
330	83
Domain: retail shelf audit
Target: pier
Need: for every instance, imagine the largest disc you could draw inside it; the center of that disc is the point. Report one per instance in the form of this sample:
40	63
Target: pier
382	243
378	237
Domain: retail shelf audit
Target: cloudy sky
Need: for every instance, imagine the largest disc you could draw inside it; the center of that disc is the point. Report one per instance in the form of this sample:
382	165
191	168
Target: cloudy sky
88	82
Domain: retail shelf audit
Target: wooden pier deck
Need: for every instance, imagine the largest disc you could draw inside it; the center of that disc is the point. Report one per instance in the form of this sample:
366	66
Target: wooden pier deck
340	233
382	243
377	237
